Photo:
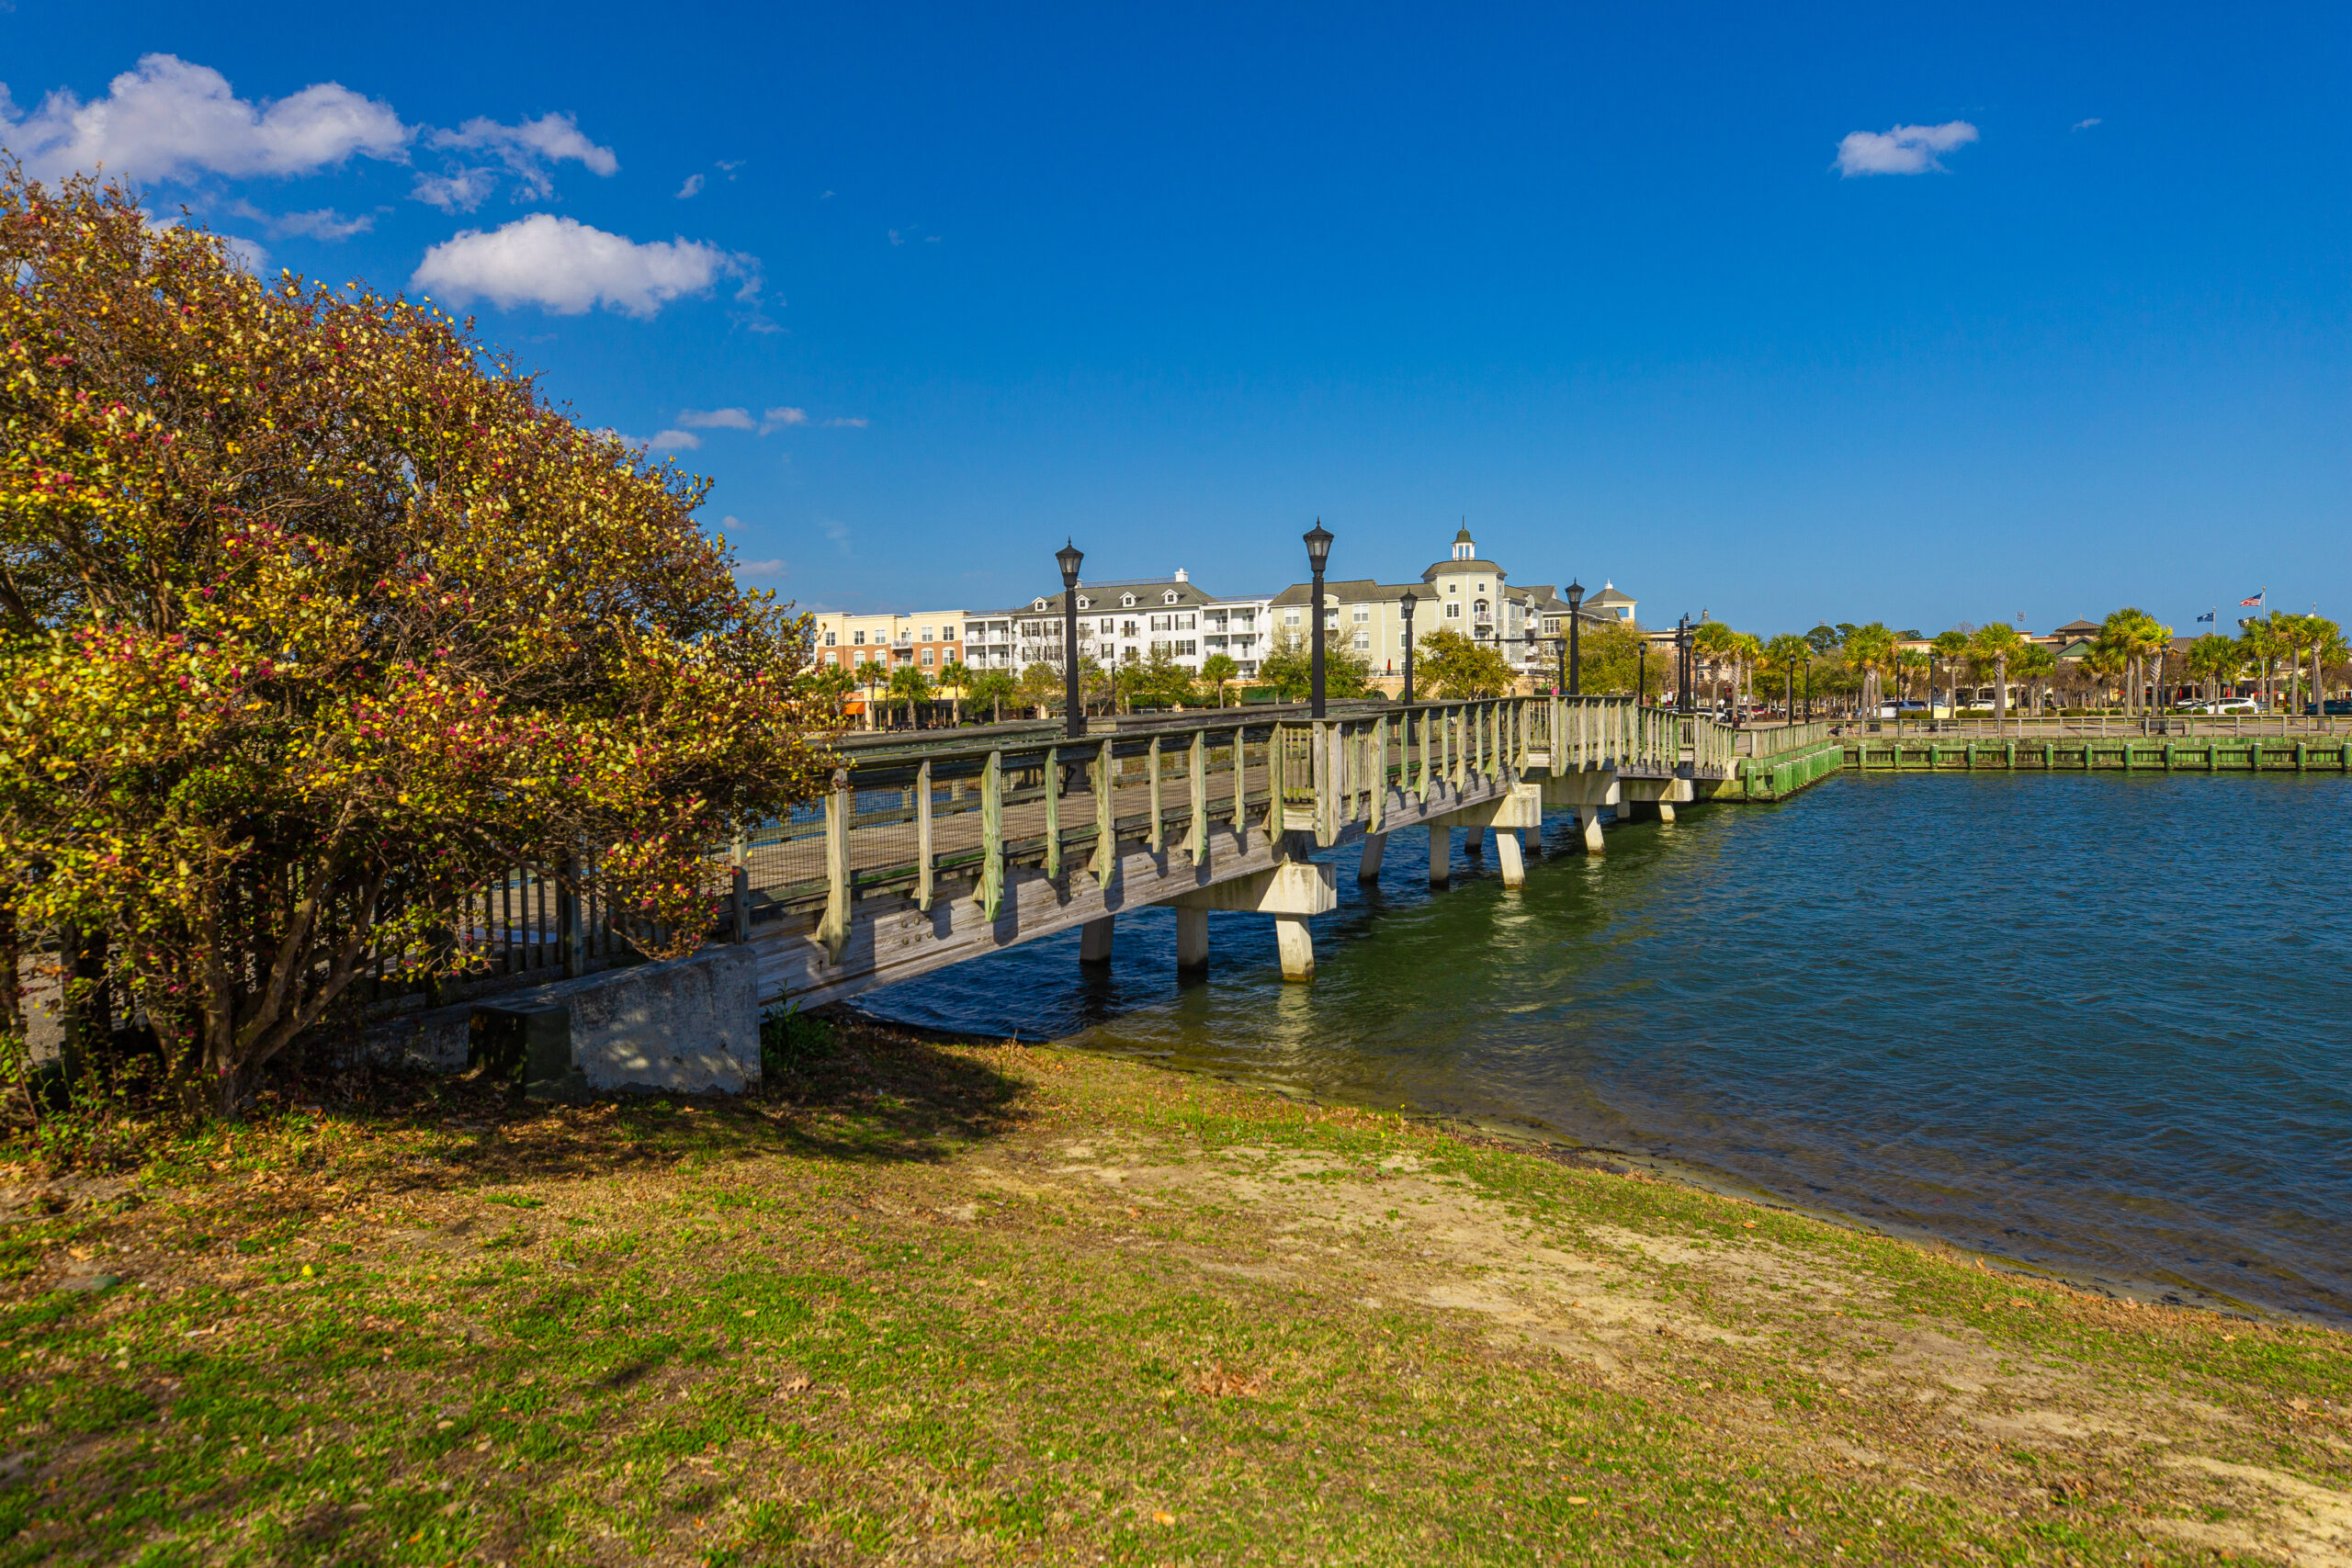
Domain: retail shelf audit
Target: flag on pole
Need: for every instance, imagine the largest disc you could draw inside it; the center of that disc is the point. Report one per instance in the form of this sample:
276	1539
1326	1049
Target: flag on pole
2259	595
2209	615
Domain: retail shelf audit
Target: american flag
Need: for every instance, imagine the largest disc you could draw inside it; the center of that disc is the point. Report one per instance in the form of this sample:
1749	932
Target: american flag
2256	599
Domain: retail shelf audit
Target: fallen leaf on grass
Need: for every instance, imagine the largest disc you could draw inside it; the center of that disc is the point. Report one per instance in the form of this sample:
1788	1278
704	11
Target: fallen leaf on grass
1163	1517
795	1384
1221	1381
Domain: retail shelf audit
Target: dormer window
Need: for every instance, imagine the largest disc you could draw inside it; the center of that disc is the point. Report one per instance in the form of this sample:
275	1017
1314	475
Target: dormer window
1127	600
1083	600
1038	605
1169	597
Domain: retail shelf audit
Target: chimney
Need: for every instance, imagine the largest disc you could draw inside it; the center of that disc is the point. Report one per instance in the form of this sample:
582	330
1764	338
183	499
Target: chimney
1180	577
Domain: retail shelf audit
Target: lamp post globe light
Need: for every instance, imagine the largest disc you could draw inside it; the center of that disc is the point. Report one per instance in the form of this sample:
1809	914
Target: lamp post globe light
1575	603
1318	552
1406	604
1069	557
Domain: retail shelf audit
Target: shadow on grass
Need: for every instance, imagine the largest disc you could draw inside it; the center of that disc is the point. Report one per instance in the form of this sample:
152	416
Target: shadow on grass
834	1087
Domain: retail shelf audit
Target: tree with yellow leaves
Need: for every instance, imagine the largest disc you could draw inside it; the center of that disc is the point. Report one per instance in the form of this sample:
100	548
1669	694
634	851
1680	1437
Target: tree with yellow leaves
315	616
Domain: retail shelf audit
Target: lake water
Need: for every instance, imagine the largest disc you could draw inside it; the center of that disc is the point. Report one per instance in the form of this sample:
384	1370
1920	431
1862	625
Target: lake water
2096	1024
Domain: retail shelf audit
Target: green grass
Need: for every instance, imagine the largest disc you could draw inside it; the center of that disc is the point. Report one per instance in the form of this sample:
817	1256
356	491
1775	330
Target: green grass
932	1303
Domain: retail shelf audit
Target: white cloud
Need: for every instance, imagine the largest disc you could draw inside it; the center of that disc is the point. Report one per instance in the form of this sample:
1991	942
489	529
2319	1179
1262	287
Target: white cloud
2085	124
171	120
716	419
528	148
674	441
763	569
845	424
246	254
1905	150
325	223
458	190
562	265
692	187
777	419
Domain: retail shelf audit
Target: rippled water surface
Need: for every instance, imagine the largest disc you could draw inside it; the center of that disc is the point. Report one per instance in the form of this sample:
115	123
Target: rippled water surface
2098	1024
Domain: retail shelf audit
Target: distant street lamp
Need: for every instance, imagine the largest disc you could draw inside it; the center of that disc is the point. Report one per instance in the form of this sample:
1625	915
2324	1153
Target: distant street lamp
1318	551
1575	601
1406	603
1683	670
1068	558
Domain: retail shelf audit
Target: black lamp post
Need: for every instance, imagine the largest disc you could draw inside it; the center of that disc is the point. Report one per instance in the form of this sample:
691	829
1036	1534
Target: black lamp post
1318	551
1576	600
1068	558
1406	604
1682	664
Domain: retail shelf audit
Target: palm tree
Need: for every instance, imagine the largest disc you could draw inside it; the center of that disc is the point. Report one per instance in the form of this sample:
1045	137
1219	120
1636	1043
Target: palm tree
2212	660
2033	663
1716	641
2132	636
1787	653
954	679
1219	671
1991	648
2328	647
1749	652
910	685
2263	645
1871	650
1950	647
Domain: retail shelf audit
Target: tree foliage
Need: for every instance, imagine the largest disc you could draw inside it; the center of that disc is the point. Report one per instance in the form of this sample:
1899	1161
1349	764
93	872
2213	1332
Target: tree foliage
1454	666
314	615
1288	668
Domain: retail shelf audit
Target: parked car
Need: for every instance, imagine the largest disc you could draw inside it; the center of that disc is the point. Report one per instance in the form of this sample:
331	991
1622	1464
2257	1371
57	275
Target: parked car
1904	709
2226	705
2335	705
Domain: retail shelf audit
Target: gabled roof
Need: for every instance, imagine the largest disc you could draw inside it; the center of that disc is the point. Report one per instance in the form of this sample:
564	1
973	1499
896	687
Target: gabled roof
1609	594
2076	628
1350	591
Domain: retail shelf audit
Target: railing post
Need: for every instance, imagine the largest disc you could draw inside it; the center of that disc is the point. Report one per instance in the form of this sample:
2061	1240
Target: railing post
1321	766
833	929
922	837
1052	812
1199	842
1153	769
990	890
1378	811
1106	821
1241	783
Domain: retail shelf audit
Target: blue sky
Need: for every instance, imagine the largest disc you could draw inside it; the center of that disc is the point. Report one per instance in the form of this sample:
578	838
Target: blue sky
1897	312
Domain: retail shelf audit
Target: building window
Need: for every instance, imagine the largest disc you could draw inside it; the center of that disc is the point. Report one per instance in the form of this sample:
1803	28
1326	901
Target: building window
1453	612
1169	597
1363	614
1454	587
926	634
1290	617
1126	601
829	639
1364	641
1109	624
926	656
858	637
1186	649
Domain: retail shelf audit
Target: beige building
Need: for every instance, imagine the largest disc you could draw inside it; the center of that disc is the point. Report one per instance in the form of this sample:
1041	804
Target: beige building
1464	593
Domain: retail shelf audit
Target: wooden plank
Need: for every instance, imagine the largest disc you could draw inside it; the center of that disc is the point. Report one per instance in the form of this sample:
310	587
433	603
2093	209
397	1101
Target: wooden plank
1052	812
1105	865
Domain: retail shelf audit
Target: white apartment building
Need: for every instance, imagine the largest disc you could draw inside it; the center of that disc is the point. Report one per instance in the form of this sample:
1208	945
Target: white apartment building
1127	622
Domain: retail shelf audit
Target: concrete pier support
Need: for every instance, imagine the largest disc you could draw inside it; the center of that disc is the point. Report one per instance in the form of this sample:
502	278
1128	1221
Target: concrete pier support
1094	940
1374	846
1296	944
1588	821
1441	854
1666	810
1506	854
1192	937
1473	844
